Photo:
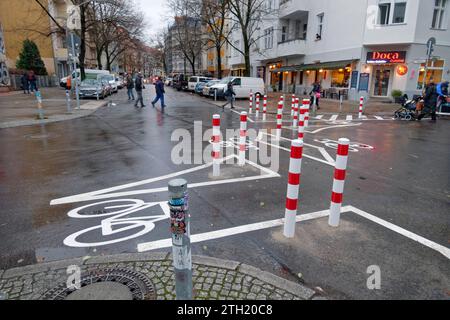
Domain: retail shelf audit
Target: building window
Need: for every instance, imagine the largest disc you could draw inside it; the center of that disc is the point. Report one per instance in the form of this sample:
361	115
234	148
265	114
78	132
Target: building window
440	7
268	38
384	12
340	78
399	12
435	71
320	18
284	33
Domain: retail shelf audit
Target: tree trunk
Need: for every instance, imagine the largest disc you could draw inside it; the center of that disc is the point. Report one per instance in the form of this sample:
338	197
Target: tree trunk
219	61
99	59
246	56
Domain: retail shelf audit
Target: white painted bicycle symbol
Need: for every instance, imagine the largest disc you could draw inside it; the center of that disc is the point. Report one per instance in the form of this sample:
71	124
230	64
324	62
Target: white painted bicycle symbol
117	220
353	147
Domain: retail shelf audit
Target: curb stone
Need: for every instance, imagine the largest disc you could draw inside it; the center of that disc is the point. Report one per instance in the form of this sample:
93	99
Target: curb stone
128	257
278	282
214	262
20	271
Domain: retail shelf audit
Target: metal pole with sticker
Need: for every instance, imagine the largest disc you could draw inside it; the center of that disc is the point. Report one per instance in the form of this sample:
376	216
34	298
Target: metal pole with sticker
40	109
181	238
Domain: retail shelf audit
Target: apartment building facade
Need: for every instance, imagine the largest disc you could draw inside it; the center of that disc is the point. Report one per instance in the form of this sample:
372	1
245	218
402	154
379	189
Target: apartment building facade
352	47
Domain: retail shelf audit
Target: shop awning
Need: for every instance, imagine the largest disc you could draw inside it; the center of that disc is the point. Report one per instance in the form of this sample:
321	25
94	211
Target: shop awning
325	65
286	69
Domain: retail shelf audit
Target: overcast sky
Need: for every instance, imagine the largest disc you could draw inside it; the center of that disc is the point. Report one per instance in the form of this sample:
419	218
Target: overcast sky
156	13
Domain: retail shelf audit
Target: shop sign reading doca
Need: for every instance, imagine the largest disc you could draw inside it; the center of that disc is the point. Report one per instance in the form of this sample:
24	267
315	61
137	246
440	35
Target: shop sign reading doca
377	57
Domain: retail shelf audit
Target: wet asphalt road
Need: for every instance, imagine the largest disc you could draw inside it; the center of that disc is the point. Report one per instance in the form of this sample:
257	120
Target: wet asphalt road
404	180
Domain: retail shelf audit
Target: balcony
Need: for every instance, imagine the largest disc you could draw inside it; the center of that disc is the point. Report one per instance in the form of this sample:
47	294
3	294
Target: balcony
292	8
289	48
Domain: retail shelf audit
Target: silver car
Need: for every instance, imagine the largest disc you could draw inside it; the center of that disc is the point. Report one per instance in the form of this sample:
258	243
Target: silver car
92	88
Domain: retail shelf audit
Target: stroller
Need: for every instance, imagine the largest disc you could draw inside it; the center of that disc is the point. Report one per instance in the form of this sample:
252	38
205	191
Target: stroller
410	108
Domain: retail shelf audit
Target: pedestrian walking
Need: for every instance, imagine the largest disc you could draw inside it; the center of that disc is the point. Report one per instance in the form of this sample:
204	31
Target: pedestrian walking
130	86
139	86
24	83
315	94
159	88
442	91
229	95
430	102
32	81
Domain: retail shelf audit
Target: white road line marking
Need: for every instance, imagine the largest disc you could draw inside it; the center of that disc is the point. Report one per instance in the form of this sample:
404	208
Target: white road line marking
337	126
320	116
428	243
106	193
378	118
349	117
167	243
334	117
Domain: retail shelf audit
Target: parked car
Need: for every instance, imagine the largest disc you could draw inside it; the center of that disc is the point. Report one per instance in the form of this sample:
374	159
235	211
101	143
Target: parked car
192	82
89	73
200	85
112	81
242	87
107	85
180	82
207	86
120	82
93	88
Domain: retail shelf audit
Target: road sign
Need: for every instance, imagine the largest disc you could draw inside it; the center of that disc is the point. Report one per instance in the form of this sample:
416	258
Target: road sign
430	46
73	18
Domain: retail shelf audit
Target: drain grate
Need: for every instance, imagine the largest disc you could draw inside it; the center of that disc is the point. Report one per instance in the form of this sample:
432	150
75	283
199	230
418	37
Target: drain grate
140	286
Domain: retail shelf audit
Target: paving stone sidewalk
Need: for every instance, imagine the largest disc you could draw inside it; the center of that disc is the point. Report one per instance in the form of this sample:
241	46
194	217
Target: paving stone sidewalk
18	109
213	279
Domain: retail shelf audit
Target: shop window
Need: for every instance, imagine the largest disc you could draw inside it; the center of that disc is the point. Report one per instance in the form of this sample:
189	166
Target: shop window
434	74
439	14
340	78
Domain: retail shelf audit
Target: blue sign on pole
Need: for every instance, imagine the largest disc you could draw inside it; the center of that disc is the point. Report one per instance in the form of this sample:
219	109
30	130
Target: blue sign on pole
354	79
364	82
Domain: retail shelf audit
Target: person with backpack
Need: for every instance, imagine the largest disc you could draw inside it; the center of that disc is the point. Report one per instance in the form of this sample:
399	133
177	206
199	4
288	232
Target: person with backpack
229	95
159	88
430	102
315	94
130	86
139	86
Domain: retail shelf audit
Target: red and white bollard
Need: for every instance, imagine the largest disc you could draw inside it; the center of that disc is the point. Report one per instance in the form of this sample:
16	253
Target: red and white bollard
265	108
295	120
242	138
216	145
307	107
295	168
293	105
250	110
257	105
301	123
279	119
338	182
361	104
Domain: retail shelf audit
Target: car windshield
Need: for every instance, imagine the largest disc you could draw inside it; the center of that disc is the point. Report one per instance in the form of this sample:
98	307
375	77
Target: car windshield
209	84
109	78
89	82
226	80
193	79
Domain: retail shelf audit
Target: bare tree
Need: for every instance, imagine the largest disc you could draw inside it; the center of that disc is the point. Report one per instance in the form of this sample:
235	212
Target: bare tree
187	30
246	16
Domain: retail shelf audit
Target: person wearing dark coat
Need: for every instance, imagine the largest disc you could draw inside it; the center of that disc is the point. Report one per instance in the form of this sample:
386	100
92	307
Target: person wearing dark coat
159	88
32	81
229	95
25	84
430	102
139	86
130	86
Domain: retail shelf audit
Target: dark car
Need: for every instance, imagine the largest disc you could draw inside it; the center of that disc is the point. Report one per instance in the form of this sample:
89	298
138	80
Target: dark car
180	82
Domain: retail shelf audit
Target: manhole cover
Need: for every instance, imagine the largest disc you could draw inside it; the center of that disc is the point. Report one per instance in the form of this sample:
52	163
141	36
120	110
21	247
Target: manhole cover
106	284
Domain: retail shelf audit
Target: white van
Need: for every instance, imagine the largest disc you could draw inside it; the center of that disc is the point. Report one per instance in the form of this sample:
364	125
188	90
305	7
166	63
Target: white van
193	82
90	74
242	86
